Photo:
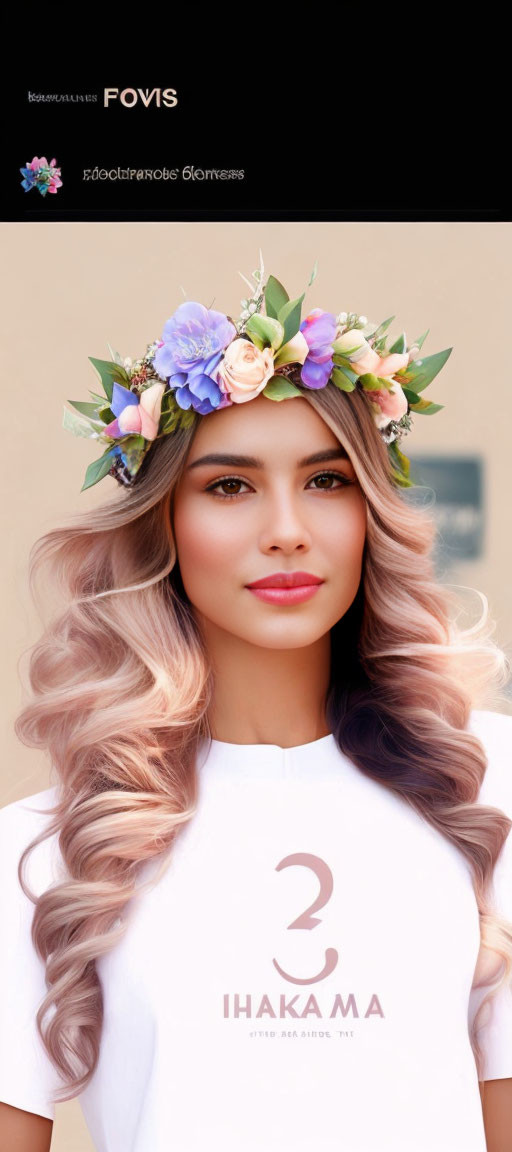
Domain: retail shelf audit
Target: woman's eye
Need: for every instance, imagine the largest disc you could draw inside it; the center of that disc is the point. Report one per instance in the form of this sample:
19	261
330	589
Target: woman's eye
228	480
344	480
332	476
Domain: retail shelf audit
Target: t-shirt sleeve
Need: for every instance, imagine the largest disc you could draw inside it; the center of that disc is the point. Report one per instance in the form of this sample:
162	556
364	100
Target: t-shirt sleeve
27	1076
495	1037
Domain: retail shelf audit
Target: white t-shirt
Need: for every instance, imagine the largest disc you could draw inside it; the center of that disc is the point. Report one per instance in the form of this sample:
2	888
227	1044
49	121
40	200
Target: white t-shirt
299	979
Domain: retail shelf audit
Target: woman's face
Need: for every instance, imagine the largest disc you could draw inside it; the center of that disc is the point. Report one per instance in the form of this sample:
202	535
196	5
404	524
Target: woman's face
238	520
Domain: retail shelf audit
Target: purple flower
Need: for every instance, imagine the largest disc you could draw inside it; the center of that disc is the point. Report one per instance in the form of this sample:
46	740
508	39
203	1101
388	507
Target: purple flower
197	389
319	331
192	346
192	336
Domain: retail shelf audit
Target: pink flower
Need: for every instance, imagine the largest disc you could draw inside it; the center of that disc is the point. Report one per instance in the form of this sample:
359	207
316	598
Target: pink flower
55	182
363	358
386	405
139	415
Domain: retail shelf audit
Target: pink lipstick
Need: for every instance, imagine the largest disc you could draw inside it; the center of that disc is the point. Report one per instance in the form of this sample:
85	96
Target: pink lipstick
286	587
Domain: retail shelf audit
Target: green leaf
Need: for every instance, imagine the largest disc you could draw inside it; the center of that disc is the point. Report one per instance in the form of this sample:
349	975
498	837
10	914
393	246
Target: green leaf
99	413
187	417
421	338
400	479
98	469
275	297
110	373
372	383
171	418
401	473
403	461
168	402
341	380
383	327
289	317
106	414
280	388
400	344
95	395
419	373
114	356
426	408
169	423
313	274
345	364
84	427
265	330
90	410
410	396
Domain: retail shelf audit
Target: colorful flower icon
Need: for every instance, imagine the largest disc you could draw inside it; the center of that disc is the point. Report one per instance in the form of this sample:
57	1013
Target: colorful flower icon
41	175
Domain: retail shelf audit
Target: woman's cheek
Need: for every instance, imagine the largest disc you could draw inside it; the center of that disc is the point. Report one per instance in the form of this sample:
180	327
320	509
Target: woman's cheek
205	540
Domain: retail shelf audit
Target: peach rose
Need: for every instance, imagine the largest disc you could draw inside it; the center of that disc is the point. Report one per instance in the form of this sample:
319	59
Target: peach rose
244	370
387	406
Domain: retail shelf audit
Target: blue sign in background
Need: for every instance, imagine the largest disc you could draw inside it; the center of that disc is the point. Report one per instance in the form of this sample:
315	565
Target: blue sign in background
456	502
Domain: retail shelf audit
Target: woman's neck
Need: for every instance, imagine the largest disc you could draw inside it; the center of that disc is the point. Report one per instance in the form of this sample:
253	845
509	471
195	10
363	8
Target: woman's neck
267	695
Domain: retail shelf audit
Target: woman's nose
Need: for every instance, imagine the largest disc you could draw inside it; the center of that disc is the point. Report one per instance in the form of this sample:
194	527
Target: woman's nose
284	522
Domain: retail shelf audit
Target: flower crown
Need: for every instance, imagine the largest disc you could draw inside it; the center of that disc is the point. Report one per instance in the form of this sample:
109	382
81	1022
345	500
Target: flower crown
206	361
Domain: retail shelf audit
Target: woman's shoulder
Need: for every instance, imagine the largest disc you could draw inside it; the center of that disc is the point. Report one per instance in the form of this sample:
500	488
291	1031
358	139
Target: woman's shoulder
494	730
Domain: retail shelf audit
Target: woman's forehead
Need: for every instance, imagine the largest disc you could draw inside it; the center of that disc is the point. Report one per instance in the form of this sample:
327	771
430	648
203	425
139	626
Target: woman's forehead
253	432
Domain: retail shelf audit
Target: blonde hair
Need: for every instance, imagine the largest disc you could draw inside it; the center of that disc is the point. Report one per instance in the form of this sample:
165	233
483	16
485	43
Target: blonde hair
121	686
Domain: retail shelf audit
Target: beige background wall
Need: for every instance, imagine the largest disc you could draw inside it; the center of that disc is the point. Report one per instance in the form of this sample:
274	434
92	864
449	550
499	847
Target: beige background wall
68	288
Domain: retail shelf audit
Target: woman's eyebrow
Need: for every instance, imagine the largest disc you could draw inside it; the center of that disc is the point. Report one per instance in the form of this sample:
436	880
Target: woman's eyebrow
237	461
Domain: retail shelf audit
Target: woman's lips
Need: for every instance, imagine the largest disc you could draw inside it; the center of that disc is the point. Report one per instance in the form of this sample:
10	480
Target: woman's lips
286	595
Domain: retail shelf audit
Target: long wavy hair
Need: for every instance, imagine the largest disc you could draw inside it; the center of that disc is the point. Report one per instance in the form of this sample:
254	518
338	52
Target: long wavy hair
121	685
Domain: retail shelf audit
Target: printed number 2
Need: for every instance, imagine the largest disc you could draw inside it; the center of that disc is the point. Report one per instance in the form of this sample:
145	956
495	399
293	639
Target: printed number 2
306	919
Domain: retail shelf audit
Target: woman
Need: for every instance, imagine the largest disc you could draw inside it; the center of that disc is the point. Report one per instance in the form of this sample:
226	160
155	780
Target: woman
264	906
